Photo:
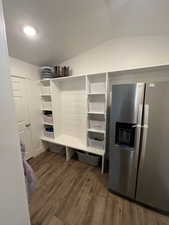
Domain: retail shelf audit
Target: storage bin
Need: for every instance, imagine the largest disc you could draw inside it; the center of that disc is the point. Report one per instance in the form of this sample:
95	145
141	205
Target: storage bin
97	87
97	124
48	118
88	158
58	149
49	134
48	131
96	142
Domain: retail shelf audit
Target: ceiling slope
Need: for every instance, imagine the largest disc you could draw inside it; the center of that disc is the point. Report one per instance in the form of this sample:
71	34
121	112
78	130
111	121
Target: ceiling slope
69	27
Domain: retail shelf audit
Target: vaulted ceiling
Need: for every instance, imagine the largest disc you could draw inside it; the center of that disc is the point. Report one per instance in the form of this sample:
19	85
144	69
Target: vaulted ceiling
69	27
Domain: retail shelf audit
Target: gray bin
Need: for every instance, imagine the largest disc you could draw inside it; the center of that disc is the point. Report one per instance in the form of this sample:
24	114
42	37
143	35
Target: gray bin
88	158
58	149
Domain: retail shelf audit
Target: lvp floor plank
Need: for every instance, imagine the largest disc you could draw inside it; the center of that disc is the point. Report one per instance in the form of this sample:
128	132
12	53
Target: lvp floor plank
73	193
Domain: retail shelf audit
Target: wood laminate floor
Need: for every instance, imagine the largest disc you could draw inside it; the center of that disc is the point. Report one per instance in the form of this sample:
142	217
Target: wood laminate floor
73	193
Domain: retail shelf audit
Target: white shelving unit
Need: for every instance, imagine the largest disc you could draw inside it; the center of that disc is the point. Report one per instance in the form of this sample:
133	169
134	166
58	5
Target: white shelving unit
47	109
70	97
75	101
97	108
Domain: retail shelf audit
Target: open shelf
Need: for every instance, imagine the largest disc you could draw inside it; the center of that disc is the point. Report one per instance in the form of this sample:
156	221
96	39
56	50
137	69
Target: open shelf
46	103
97	83
78	107
68	78
66	140
96	119
45	88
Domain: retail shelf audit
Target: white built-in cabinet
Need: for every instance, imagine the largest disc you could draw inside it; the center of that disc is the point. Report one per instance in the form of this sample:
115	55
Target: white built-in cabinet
78	107
76	111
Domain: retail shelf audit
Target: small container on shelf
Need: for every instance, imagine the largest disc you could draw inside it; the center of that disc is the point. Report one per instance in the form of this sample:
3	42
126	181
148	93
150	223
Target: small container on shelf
97	124
88	158
62	71
96	141
47	117
48	131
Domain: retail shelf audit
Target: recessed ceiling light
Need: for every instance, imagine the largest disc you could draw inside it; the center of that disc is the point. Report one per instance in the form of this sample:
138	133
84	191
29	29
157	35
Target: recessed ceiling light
29	31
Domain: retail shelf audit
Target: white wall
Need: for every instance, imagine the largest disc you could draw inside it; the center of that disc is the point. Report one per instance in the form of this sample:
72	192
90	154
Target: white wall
31	72
24	69
122	53
13	203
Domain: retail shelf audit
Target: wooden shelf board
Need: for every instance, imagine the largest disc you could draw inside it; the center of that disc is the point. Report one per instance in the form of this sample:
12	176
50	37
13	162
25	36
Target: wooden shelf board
68	77
72	142
45	95
95	150
90	94
44	138
96	131
91	75
45	123
46	80
67	141
98	113
72	77
46	109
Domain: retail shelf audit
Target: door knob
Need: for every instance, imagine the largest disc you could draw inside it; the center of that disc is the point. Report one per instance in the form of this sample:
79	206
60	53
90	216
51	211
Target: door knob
28	125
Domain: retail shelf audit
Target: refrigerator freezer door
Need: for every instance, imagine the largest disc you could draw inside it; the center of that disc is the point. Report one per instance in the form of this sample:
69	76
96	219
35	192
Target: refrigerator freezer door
125	129
153	177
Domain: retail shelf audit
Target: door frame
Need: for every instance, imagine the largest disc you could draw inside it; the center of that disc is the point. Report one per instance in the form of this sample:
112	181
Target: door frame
28	108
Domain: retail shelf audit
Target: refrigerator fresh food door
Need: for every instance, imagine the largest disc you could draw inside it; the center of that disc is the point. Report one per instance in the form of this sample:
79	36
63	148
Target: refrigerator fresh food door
125	129
153	177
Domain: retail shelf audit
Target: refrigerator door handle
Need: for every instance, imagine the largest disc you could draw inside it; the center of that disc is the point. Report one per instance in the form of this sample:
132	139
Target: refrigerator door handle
144	137
139	118
138	127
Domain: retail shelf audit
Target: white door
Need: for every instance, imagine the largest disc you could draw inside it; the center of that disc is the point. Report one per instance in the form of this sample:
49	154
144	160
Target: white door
21	98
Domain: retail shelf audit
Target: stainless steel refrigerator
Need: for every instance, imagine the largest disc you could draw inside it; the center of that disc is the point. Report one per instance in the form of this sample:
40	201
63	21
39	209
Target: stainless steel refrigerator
139	143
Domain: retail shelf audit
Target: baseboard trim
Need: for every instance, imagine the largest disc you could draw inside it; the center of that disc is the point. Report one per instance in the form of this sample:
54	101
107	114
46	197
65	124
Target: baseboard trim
39	151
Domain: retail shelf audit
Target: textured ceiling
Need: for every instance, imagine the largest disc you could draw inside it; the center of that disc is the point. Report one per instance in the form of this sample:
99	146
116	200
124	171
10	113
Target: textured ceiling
69	27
